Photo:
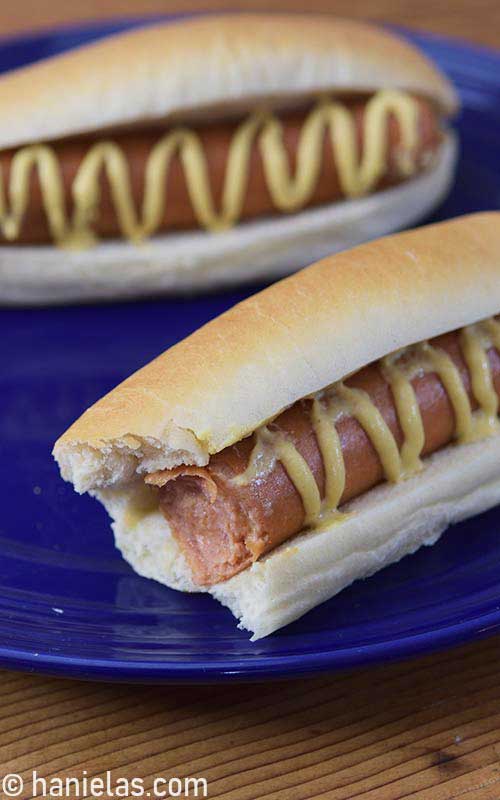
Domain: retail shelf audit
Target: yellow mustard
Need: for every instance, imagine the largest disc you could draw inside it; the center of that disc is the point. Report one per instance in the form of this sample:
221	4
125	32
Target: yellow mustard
289	192
339	400
475	342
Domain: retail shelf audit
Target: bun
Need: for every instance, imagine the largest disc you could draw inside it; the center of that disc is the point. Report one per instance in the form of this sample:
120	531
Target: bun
390	522
282	344
209	62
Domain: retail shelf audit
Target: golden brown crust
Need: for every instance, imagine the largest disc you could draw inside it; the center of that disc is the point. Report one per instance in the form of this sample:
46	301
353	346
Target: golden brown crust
284	343
208	62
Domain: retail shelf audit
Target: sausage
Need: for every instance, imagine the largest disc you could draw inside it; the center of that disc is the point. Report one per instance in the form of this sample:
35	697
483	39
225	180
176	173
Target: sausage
216	139
222	527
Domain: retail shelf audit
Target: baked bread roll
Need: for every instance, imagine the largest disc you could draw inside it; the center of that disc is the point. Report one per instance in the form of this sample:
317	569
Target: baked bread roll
213	150
314	433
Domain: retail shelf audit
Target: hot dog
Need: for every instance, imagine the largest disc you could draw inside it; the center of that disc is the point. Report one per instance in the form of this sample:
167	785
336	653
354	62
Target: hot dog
180	172
215	140
222	526
317	431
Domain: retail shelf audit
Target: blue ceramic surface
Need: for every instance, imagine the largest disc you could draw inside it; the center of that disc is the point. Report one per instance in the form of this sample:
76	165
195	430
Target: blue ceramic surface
70	606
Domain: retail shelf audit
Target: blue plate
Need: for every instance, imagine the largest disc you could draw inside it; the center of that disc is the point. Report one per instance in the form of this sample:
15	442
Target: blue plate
70	606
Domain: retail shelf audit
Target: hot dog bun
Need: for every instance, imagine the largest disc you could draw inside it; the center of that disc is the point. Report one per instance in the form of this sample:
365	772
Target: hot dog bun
284	343
204	68
263	355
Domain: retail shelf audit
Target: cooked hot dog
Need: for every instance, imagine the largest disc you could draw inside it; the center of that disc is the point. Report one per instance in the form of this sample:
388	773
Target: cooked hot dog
381	356
233	147
216	139
222	527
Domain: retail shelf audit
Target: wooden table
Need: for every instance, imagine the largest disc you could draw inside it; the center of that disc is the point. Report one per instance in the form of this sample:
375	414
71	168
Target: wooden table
476	20
428	729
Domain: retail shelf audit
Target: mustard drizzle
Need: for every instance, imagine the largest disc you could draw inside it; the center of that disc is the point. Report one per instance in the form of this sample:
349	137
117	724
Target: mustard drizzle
408	413
436	360
273	446
330	405
323	418
289	192
475	342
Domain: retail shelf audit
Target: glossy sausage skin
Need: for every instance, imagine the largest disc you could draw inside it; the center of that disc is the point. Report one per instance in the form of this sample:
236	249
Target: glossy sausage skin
222	528
216	139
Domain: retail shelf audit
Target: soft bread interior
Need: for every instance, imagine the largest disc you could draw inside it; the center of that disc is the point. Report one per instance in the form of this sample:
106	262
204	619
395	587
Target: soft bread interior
195	260
384	525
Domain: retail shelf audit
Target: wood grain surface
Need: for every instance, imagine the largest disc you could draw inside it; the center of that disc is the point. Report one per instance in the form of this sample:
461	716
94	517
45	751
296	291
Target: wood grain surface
428	729
476	20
